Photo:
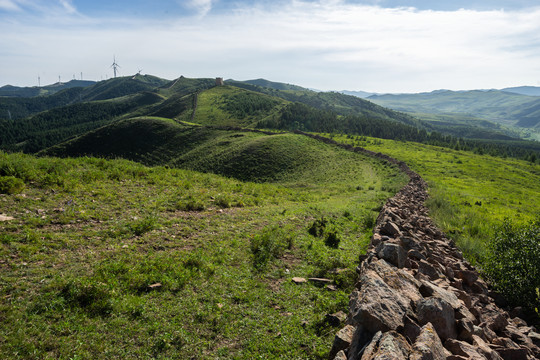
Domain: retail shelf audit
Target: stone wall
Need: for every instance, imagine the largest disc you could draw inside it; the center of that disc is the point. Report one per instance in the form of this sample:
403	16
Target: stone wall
417	298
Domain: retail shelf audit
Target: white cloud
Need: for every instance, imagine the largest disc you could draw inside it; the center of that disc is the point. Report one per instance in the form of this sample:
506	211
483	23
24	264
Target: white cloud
9	5
325	45
68	6
202	7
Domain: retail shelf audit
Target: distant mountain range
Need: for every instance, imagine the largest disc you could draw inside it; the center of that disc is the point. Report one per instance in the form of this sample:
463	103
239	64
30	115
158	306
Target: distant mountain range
62	115
513	109
16	91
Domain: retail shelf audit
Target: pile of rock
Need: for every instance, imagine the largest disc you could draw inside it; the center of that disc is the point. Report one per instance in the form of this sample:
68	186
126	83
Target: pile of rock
417	298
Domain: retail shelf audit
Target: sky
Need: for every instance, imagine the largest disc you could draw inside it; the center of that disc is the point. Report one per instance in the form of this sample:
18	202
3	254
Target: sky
370	45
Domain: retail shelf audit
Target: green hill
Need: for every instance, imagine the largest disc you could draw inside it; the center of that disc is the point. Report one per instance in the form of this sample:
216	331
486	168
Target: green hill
16	91
59	124
244	155
516	111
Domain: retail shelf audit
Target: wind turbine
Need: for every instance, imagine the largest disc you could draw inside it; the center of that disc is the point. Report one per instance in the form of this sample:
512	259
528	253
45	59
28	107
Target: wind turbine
115	66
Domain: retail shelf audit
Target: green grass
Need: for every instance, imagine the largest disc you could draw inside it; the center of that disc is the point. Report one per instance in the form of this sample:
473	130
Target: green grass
112	259
232	106
470	194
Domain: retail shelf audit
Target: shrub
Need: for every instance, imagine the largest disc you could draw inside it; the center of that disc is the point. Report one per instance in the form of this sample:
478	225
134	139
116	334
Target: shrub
93	297
269	244
513	263
332	239
317	228
142	226
11	185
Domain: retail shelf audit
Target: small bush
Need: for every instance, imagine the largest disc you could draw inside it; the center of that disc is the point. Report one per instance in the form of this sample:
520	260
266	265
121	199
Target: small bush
513	263
271	243
93	297
143	226
11	185
332	239
317	228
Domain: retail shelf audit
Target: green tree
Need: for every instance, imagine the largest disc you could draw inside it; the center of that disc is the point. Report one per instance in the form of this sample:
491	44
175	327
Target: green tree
513	263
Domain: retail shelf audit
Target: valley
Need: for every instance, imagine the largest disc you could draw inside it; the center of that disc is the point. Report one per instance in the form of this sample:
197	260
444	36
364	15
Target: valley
161	219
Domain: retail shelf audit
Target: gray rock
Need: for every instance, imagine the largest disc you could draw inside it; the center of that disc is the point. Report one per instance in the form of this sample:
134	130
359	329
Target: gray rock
342	340
389	345
464	349
484	349
428	289
390	229
439	313
393	253
340	356
377	307
428	346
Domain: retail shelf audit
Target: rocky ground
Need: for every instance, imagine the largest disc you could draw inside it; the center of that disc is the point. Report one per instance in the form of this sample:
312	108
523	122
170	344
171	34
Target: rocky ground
417	298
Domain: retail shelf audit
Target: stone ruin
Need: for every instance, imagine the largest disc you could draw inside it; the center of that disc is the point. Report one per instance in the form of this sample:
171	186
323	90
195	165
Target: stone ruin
418	298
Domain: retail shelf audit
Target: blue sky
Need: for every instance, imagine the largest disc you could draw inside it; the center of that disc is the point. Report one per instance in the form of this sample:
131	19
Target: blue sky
371	45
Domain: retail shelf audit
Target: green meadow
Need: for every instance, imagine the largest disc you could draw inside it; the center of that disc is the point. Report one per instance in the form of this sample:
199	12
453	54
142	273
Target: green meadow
114	259
470	194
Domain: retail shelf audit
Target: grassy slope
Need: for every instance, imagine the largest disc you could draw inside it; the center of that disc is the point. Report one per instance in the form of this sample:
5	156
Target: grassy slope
221	106
470	194
242	155
90	236
520	112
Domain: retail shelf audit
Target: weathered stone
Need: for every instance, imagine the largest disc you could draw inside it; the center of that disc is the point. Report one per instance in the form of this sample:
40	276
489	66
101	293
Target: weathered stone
336	319
369	350
428	346
463	296
321	281
340	356
484	348
428	289
390	345
504	342
390	229
439	313
393	253
535	337
428	269
6	218
468	276
415	254
361	340
464	349
411	330
465	330
513	354
342	340
398	279
497	322
377	307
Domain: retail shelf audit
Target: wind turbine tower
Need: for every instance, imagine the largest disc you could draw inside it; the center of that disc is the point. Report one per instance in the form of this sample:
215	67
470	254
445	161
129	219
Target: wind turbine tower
115	66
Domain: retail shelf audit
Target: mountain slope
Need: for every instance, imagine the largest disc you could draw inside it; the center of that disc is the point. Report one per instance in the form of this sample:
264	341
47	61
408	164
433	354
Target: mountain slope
245	155
339	103
16	91
59	124
497	106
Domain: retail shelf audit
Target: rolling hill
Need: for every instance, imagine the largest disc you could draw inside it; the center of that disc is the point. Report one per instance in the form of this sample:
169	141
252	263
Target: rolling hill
518	112
71	113
16	91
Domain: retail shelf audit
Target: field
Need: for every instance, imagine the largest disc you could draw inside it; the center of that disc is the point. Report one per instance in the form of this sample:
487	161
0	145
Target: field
112	259
471	194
